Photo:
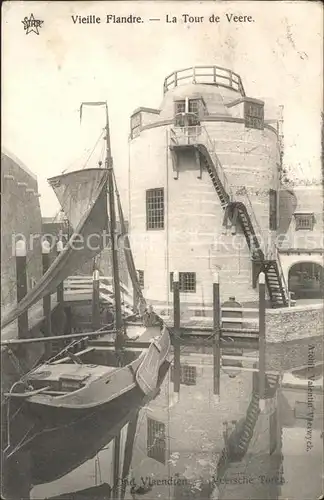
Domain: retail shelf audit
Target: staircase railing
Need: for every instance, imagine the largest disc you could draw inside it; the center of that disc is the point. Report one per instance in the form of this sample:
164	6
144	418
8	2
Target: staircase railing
198	135
182	136
261	235
282	276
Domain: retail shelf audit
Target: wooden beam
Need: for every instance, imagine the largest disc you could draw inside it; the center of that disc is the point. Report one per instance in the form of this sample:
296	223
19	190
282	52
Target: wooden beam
116	460
35	340
129	446
95	316
176	337
47	299
198	163
21	280
60	287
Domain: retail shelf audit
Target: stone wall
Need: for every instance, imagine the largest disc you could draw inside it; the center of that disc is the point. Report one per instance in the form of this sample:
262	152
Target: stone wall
294	323
290	332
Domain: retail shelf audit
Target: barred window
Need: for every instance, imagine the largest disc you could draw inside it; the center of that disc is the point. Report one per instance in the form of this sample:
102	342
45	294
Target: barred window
193	108
156	442
136	122
304	221
254	115
180	107
155	208
188	374
187	282
140	276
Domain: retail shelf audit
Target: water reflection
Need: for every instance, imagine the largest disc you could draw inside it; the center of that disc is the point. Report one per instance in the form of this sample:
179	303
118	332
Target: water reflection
199	447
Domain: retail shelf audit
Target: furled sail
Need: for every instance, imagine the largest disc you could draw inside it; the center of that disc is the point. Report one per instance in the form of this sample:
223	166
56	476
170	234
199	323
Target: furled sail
129	258
76	191
88	239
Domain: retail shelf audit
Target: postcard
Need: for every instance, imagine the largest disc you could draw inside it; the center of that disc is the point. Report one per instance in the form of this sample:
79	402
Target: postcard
162	250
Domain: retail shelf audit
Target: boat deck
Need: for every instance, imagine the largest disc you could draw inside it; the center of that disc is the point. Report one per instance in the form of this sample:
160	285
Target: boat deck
71	371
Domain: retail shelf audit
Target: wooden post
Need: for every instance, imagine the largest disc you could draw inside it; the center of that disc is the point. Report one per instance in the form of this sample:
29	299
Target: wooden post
60	288
95	300
68	325
262	333
21	277
60	296
135	295
116	460
47	299
217	332
176	326
129	447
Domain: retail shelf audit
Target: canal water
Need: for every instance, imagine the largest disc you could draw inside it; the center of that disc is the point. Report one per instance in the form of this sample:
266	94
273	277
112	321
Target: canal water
201	446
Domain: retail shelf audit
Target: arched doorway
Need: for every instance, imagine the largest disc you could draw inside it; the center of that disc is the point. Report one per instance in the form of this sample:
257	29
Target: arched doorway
306	280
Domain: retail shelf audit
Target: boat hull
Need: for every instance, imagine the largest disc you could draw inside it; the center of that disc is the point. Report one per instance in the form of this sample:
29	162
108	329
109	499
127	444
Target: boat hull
76	436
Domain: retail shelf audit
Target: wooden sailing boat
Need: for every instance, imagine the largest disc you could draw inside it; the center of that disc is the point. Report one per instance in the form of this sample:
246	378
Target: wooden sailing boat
69	407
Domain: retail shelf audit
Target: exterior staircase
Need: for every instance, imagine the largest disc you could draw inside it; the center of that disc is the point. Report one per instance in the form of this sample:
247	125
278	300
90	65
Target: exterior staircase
197	138
249	424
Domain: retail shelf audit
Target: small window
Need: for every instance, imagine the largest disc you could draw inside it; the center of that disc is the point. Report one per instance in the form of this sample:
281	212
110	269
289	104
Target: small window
194	106
140	275
155	208
192	119
304	222
136	122
156	443
188	375
254	115
187	282
180	107
272	209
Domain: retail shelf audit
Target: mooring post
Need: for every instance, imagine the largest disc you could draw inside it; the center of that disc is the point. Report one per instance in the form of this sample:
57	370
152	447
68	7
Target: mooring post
128	454
176	336
116	467
217	332
46	248
262	338
21	280
135	295
95	300
60	287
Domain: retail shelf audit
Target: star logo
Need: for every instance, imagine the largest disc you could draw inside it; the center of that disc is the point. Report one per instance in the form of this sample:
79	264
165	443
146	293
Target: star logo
32	24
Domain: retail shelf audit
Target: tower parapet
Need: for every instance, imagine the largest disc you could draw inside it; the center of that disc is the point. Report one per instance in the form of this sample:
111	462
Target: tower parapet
207	75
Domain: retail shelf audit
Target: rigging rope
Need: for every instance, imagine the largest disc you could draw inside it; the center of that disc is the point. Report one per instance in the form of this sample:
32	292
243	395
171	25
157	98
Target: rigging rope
93	149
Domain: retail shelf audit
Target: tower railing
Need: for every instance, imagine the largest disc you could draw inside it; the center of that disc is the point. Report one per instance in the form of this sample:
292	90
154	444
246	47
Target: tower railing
210	75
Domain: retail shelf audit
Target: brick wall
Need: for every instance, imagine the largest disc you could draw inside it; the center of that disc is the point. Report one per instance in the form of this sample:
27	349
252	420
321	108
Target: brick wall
20	213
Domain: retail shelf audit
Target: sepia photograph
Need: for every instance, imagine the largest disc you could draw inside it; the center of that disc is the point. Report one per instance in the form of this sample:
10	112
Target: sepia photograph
162	250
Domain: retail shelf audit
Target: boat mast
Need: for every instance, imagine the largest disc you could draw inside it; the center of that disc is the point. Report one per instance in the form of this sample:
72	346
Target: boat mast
113	232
